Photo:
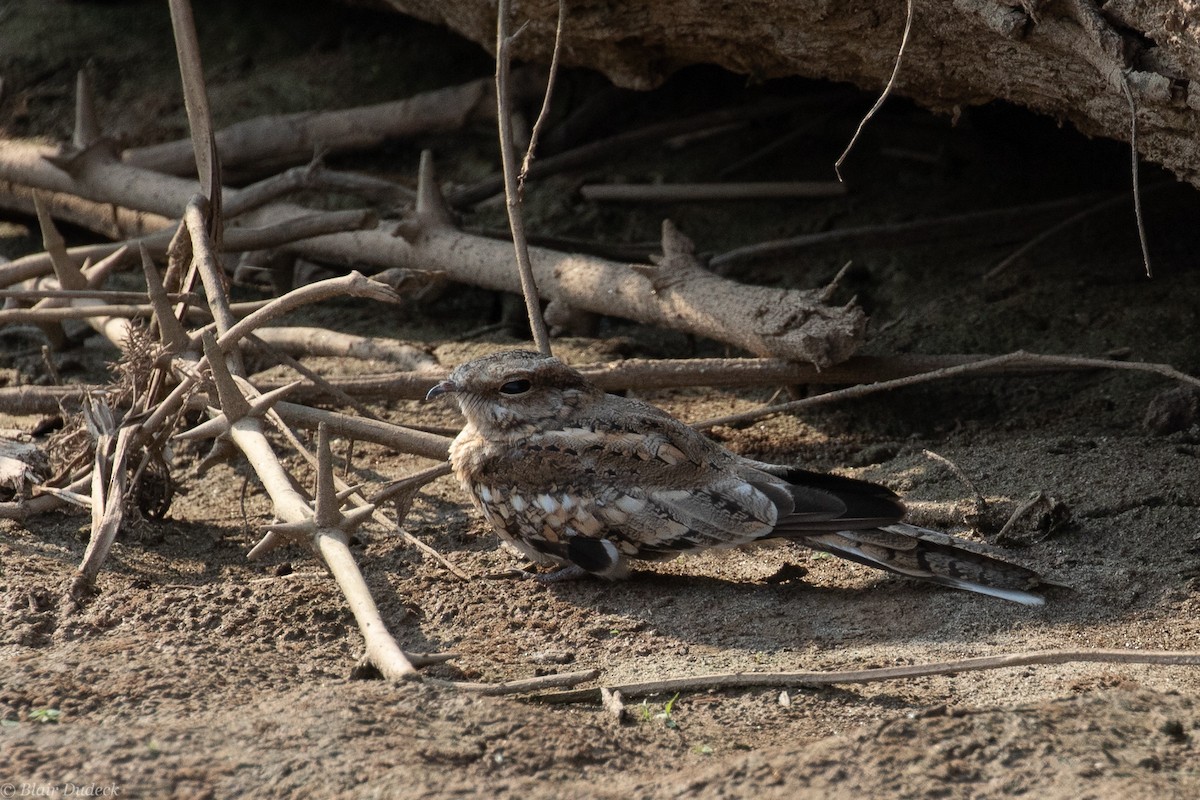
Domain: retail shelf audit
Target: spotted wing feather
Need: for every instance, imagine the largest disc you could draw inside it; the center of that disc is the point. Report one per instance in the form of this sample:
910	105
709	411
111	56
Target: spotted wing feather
604	483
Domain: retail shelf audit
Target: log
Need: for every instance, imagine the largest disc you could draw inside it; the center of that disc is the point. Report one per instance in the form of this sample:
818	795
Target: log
1066	60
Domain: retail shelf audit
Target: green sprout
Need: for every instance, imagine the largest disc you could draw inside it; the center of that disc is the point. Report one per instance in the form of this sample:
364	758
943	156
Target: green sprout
45	715
646	712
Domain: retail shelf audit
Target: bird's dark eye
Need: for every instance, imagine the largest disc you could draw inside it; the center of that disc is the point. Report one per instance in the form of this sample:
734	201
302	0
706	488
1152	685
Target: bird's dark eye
520	386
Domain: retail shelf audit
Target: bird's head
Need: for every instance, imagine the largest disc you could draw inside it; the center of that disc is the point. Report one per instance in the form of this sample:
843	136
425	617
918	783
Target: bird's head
517	391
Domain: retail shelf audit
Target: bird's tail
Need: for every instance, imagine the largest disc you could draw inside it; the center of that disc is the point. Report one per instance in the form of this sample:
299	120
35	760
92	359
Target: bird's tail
932	556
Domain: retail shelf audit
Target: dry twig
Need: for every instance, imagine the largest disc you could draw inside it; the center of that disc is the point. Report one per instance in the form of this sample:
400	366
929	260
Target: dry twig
887	89
1020	357
977	498
736	680
634	373
523	685
592	152
512	195
195	100
1000	223
695	192
544	113
1057	228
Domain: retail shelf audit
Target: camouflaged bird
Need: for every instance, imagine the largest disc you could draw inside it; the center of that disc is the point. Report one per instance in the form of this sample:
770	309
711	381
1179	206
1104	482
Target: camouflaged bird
570	475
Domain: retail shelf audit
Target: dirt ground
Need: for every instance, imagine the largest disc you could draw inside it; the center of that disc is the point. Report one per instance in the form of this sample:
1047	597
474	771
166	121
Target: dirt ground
197	673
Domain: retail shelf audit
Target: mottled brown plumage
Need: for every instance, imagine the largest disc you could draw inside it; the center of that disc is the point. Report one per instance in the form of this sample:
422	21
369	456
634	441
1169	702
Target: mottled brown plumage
572	476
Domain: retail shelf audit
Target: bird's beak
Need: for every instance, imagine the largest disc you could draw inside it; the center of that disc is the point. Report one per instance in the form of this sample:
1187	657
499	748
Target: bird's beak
442	388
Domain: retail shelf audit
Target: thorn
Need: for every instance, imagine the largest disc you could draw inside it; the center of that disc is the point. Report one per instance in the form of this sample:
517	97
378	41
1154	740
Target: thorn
299	531
222	452
328	514
97	274
233	403
272	541
219	424
355	517
260	405
408	229
674	242
69	276
431	205
170	331
349	492
661	274
677	260
87	126
67	158
215	427
827	293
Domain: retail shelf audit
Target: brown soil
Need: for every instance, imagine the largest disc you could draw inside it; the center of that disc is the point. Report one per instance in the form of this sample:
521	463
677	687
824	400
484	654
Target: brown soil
196	673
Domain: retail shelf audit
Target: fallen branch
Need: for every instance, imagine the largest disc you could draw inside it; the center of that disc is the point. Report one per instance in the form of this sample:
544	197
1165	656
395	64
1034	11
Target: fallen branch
111	295
300	341
46	499
592	152
397	437
322	526
316	176
741	373
692	192
639	374
744	680
11	316
106	219
273	140
304	225
522	685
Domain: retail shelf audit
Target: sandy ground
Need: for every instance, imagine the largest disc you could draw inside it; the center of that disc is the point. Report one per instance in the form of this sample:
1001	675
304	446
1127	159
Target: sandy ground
196	673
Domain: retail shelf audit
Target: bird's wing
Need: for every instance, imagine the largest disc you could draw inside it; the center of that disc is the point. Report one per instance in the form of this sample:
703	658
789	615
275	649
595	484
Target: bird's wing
822	502
651	493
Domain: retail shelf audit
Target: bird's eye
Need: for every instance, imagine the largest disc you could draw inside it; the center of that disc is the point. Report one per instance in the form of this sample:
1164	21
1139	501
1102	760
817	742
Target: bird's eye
520	386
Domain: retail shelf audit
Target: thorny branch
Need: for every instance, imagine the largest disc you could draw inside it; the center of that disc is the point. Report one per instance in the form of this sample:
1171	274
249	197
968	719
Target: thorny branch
679	293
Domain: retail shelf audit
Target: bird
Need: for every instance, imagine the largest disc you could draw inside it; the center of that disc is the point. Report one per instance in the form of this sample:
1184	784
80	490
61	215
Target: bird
573	477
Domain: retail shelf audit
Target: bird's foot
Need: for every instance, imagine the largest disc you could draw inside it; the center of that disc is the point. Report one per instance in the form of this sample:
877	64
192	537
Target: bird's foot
568	573
571	572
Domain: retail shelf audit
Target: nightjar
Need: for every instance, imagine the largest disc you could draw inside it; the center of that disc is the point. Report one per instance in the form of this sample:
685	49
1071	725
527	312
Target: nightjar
570	475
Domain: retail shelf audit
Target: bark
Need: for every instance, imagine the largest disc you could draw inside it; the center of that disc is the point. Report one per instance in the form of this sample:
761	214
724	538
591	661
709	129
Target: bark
1062	58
